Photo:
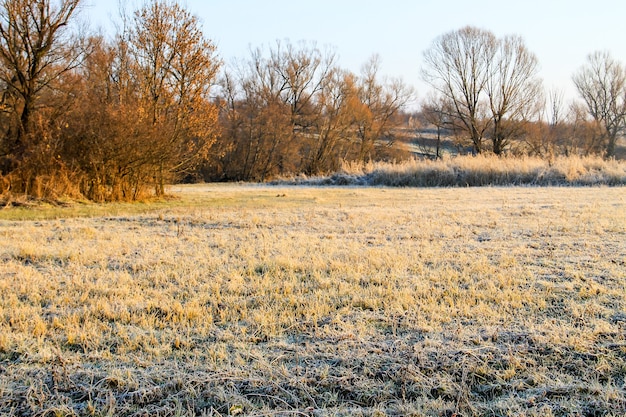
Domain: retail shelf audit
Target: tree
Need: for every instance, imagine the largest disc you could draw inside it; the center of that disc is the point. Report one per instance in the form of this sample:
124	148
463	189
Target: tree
601	82
584	136
273	110
435	111
543	135
36	49
174	67
380	102
109	139
490	84
143	113
302	73
295	111
458	67
333	124
513	88
258	120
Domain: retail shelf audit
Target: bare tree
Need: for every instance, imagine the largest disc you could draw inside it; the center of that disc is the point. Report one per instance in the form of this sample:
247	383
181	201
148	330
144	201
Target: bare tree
601	82
303	71
274	117
333	123
555	106
490	84
513	88
36	49
544	134
436	112
293	110
458	66
258	120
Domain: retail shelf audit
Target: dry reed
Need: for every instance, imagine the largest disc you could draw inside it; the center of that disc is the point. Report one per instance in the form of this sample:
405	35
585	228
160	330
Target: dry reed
469	171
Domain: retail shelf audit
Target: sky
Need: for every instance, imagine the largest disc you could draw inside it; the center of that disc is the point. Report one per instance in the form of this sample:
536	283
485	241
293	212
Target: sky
560	32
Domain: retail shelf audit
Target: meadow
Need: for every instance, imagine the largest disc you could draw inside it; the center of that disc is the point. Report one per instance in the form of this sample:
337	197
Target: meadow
302	301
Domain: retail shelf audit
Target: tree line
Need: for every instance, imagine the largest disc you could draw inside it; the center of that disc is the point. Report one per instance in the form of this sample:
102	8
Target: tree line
487	92
112	118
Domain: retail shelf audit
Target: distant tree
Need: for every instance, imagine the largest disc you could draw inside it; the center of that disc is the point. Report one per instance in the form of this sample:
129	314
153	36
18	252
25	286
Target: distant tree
601	83
258	117
514	91
582	135
436	112
333	125
490	84
550	134
555	107
294	111
37	48
380	103
273	117
457	65
304	71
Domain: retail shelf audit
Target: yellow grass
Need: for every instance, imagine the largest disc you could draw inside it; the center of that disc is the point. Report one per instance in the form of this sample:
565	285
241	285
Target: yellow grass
258	300
478	170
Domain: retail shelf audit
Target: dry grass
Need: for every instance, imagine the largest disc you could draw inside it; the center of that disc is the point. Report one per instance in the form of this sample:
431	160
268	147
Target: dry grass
479	170
271	301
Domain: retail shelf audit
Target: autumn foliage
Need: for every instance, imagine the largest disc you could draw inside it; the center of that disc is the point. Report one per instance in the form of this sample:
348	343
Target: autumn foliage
105	119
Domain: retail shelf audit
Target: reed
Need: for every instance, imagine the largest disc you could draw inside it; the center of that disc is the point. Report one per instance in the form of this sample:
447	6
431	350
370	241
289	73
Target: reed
472	171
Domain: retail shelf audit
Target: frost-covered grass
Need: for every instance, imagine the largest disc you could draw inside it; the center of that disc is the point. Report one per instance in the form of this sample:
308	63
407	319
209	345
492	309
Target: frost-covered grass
258	300
472	171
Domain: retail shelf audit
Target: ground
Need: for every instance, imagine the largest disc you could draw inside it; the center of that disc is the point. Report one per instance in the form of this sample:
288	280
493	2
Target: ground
260	300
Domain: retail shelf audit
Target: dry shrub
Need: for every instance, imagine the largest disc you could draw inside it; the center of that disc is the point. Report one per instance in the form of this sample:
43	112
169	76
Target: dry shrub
481	170
25	185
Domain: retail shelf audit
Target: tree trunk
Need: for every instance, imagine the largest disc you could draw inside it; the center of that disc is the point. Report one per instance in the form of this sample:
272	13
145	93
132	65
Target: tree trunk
610	147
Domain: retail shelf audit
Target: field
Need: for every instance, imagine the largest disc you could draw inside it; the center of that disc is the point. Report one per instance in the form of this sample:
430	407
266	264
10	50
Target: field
303	301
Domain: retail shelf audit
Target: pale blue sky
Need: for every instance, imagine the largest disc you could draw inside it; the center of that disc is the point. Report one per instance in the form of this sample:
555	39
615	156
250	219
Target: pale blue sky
560	32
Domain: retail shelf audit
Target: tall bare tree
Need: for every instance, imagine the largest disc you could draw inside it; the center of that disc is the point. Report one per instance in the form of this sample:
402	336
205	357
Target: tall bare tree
334	122
273	112
36	49
458	66
296	111
490	84
601	82
258	120
513	88
303	70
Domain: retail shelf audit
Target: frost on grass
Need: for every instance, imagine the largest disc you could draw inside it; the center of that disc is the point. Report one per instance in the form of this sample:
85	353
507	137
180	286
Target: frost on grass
321	302
471	171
